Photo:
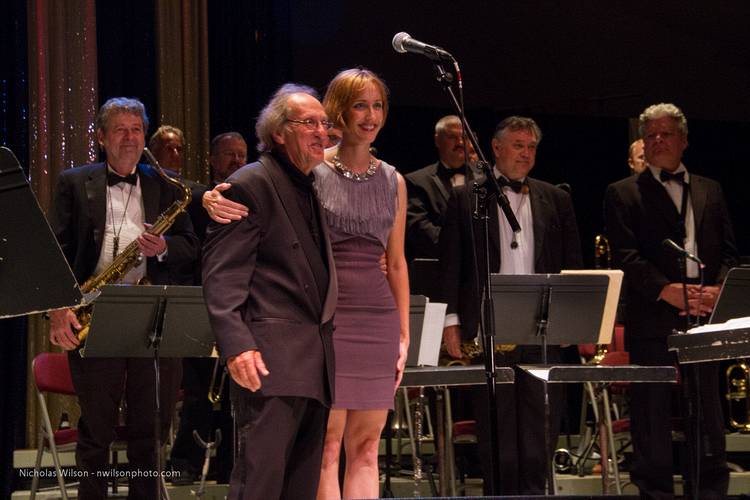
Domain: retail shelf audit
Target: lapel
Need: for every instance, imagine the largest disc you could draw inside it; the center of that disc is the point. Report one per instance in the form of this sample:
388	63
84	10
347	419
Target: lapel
329	305
150	194
541	214
438	183
96	194
288	200
698	195
656	200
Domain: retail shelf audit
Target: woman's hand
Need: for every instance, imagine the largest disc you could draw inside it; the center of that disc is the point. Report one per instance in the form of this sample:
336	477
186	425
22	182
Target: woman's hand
221	209
403	351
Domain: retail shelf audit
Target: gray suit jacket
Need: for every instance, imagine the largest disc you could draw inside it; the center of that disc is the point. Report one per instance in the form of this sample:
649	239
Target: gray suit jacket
261	278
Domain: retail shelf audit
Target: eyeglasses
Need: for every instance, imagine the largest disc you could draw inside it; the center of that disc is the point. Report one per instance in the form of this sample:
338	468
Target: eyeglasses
311	124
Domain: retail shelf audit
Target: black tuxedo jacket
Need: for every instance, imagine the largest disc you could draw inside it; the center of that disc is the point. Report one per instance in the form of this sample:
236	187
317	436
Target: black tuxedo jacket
557	246
428	202
78	218
640	215
261	282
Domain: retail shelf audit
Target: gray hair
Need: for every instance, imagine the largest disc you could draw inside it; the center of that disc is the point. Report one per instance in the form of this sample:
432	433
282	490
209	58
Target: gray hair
656	111
515	123
272	117
447	121
121	105
158	136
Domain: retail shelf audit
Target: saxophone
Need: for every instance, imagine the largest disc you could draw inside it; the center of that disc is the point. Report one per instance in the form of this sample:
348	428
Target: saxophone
131	256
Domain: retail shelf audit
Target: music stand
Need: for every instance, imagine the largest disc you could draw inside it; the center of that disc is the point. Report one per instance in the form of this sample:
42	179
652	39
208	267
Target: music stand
734	297
562	309
150	321
34	275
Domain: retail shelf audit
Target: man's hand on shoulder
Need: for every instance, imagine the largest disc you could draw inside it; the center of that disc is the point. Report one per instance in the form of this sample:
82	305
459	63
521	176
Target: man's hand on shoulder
246	369
221	209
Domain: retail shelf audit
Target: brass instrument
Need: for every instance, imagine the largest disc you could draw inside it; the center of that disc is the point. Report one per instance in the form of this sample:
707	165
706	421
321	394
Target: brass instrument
131	256
738	399
214	395
470	350
602	250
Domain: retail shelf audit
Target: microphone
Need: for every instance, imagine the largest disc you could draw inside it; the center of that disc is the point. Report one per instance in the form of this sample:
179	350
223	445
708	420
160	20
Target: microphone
671	245
403	42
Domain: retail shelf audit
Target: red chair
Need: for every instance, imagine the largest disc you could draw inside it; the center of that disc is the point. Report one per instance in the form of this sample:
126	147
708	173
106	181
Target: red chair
52	376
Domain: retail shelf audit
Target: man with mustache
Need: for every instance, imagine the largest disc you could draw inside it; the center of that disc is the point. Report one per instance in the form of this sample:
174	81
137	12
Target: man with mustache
430	187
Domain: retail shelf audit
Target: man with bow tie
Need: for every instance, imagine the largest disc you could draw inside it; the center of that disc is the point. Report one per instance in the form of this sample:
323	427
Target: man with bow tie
548	242
665	201
430	188
98	210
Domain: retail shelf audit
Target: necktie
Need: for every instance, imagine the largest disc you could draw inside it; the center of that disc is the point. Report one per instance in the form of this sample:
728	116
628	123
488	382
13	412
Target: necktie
516	186
113	178
665	176
678	177
453	171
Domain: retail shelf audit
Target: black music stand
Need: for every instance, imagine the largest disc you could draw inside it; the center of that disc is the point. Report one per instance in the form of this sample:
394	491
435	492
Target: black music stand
558	309
150	321
34	275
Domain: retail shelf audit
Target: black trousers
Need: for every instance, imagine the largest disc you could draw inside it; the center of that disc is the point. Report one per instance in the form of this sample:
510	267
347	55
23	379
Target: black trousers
524	461
652	407
281	447
100	385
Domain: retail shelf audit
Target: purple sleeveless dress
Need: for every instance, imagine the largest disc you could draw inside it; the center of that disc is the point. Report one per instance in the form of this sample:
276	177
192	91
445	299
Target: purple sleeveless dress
360	216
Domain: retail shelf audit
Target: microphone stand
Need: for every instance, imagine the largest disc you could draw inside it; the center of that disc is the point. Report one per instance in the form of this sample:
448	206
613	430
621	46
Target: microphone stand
483	194
691	384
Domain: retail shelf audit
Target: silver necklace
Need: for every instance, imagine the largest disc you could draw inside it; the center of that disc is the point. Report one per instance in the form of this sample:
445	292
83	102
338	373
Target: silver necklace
372	166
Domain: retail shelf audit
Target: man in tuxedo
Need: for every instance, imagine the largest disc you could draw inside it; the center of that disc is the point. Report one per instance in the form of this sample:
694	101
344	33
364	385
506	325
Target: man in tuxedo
665	201
168	147
548	243
430	188
98	210
270	289
228	152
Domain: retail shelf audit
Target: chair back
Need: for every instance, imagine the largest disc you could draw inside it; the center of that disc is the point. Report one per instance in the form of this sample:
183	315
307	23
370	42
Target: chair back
52	373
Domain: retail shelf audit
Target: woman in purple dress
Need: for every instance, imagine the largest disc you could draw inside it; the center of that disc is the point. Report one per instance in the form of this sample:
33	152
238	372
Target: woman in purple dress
364	204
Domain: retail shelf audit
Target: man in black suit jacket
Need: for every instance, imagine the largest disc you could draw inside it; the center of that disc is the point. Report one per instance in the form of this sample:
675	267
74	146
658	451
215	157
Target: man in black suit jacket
98	210
430	188
270	288
548	243
641	212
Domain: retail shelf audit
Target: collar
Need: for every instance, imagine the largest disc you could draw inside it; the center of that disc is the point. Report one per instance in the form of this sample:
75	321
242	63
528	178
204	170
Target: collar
656	172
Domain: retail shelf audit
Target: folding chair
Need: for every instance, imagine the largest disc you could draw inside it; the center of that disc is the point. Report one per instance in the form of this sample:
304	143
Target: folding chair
52	376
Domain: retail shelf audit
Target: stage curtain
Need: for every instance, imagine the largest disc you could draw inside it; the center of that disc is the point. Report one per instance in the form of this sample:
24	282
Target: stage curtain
62	108
182	68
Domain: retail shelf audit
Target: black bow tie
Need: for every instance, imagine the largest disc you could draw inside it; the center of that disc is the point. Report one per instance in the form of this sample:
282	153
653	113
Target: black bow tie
516	186
453	171
113	178
665	176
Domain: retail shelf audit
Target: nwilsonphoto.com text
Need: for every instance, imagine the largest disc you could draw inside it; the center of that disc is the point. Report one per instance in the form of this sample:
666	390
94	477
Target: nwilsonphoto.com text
107	473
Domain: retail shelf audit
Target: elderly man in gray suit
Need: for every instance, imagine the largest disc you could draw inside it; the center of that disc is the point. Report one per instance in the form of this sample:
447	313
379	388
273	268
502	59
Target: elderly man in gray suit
270	288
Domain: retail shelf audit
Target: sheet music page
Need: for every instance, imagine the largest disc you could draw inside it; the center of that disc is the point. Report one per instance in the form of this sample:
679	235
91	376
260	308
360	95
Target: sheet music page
432	333
611	301
732	324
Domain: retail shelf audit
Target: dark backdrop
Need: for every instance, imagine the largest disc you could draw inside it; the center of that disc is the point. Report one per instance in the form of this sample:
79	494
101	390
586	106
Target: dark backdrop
581	68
